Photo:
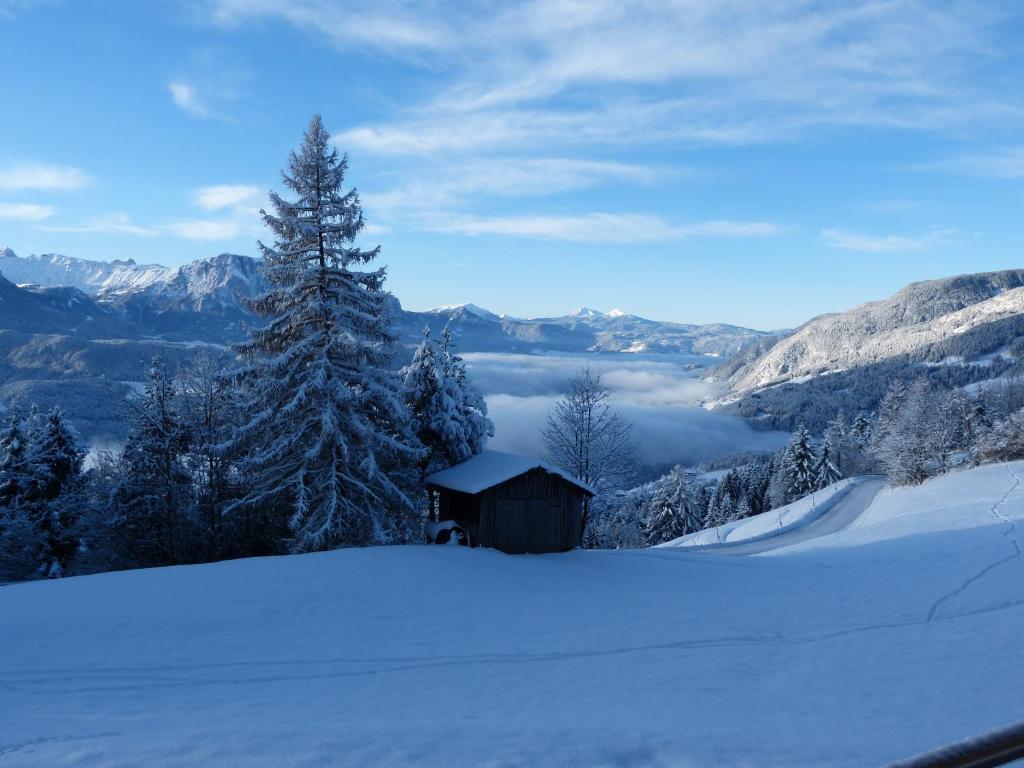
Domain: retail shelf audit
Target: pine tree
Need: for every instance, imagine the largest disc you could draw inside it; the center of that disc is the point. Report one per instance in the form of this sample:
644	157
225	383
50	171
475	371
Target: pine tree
328	441
13	468
860	431
800	463
55	465
449	417
208	410
671	512
825	470
153	503
471	406
39	479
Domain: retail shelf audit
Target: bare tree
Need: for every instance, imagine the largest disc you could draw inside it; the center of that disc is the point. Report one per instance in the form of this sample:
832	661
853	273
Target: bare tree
588	438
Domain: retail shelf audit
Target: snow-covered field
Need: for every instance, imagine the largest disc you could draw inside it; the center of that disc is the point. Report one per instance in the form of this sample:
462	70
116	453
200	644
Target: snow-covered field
890	637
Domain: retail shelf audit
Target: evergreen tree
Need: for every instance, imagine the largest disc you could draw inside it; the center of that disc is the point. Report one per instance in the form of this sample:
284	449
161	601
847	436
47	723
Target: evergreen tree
13	466
153	501
208	411
825	470
800	464
860	431
449	417
328	440
471	406
671	513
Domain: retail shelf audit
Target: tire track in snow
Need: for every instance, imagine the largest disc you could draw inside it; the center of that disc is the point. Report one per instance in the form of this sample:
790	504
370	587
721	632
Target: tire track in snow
1010	534
37	682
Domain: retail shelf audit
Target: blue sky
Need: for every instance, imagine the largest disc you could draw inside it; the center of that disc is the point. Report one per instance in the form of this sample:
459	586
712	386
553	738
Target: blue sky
699	161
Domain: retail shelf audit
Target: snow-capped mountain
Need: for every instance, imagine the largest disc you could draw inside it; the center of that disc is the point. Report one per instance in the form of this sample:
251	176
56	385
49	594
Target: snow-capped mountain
955	319
202	301
93	277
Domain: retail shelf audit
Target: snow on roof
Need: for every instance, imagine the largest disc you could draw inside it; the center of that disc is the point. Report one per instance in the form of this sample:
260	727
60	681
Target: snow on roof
490	468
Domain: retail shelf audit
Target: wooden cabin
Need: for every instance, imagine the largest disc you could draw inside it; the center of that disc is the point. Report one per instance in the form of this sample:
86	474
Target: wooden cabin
512	503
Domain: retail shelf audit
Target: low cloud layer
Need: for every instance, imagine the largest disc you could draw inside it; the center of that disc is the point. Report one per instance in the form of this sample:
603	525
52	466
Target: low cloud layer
659	396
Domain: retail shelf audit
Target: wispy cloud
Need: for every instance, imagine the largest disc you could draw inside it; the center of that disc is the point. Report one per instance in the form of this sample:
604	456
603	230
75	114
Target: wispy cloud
1003	163
115	223
452	184
186	97
25	176
855	241
390	26
694	71
206	229
220	196
600	227
25	212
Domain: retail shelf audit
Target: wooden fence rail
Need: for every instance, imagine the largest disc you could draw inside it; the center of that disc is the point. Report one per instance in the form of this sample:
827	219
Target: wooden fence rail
999	747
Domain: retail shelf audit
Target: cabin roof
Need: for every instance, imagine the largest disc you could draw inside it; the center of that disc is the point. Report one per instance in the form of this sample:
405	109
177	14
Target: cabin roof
491	468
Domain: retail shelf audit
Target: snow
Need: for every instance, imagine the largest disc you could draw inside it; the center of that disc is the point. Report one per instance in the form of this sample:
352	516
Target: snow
489	468
781	520
471	309
890	638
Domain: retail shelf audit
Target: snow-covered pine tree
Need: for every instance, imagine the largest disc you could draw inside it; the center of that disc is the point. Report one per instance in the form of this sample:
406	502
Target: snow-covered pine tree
153	501
55	466
800	463
449	416
860	431
328	443
1005	441
13	468
907	442
208	409
778	482
472	408
671	512
825	470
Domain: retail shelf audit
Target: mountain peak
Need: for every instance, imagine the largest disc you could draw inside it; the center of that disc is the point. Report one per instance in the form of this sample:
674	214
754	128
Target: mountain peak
7	253
617	313
471	309
587	312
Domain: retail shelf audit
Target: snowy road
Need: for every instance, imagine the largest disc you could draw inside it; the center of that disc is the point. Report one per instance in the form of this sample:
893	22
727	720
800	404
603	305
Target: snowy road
841	515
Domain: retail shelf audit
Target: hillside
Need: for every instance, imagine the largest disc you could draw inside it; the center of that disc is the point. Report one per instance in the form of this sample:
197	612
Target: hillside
896	635
951	315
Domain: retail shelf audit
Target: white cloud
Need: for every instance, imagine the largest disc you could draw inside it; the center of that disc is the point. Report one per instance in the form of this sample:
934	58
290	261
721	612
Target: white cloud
115	223
599	227
25	212
389	26
187	98
701	71
1005	163
222	196
854	241
206	229
42	177
453	183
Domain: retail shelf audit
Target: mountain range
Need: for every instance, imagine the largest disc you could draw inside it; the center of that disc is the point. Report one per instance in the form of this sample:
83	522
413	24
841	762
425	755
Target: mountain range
202	301
82	333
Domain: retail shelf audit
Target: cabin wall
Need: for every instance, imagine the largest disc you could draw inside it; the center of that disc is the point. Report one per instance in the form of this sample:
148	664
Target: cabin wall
537	512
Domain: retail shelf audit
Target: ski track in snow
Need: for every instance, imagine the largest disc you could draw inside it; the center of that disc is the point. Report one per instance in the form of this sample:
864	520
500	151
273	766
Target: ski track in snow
42	682
1010	535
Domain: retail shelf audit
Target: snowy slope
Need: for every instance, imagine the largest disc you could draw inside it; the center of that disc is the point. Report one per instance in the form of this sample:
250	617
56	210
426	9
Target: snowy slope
786	518
907	324
881	641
